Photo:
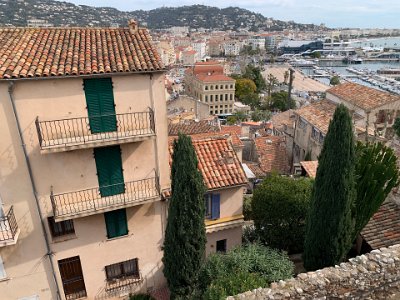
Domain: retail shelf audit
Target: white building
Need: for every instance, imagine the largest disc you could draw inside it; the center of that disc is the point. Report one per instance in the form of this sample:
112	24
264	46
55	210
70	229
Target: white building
201	48
232	48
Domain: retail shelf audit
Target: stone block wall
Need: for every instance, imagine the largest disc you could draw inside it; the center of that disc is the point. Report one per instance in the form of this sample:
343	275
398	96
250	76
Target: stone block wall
375	275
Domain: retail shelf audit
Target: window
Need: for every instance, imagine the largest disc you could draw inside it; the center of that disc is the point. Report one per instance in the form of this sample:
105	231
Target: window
221	111
226	86
221	97
216	87
206	87
221	87
302	123
321	138
231	86
211	87
226	97
221	246
2	270
212	205
72	278
60	228
129	268
211	98
315	134
100	104
116	223
206	97
230	97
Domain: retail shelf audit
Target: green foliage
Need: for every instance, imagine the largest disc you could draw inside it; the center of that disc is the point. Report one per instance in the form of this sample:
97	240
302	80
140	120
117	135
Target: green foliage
330	224
377	174
249	235
260	115
279	209
141	297
315	55
233	284
247	211
231	120
271	82
253	100
185	237
335	80
268	264
254	73
396	126
279	101
244	87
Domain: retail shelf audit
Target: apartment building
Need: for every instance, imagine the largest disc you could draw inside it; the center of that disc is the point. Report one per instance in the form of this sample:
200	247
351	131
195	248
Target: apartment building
207	82
82	161
373	113
225	181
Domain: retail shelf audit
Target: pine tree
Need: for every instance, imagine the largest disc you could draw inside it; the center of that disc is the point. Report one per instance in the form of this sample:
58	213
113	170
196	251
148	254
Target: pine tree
330	223
185	237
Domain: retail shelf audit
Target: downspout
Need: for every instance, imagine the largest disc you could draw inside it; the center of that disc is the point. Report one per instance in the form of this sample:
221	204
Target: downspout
28	164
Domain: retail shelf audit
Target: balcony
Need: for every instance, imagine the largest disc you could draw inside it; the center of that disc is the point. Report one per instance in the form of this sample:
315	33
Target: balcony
224	223
77	133
9	230
106	198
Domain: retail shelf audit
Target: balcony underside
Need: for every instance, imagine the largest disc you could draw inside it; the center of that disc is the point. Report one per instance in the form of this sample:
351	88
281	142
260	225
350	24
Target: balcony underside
224	223
93	141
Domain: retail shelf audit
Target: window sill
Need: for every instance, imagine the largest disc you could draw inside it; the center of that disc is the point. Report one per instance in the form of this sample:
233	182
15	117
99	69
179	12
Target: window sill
118	237
64	238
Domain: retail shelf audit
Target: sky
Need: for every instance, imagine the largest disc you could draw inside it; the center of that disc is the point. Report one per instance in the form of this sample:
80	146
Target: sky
334	13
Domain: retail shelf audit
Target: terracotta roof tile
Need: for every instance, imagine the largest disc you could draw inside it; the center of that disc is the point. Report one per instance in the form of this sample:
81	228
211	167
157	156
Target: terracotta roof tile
319	114
383	229
191	127
255	168
283	119
45	52
271	153
214	77
362	96
218	163
310	167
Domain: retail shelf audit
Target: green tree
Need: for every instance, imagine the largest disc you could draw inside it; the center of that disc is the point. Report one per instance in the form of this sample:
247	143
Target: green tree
335	80
330	224
278	101
231	120
377	174
185	237
286	77
396	126
315	55
244	87
254	73
261	115
271	82
279	210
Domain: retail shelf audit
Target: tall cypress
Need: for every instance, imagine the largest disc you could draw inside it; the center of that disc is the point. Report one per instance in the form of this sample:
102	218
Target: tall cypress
185	236
330	223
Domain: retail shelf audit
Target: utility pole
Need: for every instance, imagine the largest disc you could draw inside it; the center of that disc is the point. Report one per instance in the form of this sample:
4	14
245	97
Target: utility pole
291	78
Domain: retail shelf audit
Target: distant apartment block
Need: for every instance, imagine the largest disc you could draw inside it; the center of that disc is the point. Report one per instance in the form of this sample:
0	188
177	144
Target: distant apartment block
83	163
206	82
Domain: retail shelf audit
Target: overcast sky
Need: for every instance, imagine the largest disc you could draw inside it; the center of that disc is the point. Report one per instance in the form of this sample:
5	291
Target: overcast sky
334	13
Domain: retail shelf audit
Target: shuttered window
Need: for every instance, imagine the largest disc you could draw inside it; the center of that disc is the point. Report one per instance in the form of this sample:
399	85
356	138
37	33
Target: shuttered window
109	170
100	104
116	223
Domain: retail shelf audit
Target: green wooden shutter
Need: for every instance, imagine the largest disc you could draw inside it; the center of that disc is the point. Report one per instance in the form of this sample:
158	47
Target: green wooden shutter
109	170
116	223
100	104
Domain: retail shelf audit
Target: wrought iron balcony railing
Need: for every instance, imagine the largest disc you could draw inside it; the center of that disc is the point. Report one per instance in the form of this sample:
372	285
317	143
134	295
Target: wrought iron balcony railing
100	199
8	228
85	132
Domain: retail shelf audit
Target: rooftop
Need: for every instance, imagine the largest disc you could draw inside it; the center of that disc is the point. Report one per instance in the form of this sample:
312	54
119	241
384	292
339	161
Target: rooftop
271	151
191	127
319	114
362	96
281	119
218	163
383	229
213	77
310	167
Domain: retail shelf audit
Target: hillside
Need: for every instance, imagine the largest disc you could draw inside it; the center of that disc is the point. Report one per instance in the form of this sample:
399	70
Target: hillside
17	12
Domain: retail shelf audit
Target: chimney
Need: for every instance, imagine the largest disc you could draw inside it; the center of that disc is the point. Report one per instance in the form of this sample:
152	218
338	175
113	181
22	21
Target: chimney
133	26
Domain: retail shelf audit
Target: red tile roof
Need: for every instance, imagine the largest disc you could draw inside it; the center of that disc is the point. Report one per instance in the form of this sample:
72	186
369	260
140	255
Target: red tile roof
271	153
191	127
44	52
318	114
310	167
255	168
218	163
214	77
383	229
364	97
283	119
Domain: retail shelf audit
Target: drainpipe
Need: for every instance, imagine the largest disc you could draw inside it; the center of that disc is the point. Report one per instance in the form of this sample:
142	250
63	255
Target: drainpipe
28	164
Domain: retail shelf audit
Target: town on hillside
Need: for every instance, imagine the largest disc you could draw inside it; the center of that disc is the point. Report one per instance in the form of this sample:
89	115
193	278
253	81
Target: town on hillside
146	158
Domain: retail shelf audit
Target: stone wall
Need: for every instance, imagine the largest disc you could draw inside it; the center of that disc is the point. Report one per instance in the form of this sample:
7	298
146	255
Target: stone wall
375	275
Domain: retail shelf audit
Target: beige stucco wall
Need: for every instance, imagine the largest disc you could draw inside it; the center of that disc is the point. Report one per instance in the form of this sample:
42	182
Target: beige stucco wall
75	170
26	264
231	201
233	238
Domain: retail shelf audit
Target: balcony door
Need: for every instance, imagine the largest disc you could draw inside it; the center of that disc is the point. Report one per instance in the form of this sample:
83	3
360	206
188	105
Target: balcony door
109	170
72	278
100	104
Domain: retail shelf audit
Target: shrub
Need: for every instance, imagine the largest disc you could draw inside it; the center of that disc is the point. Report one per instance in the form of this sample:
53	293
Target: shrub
247	212
270	265
141	297
279	209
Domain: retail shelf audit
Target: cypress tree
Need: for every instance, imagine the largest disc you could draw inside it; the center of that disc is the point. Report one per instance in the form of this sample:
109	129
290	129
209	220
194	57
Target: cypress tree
185	236
330	223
